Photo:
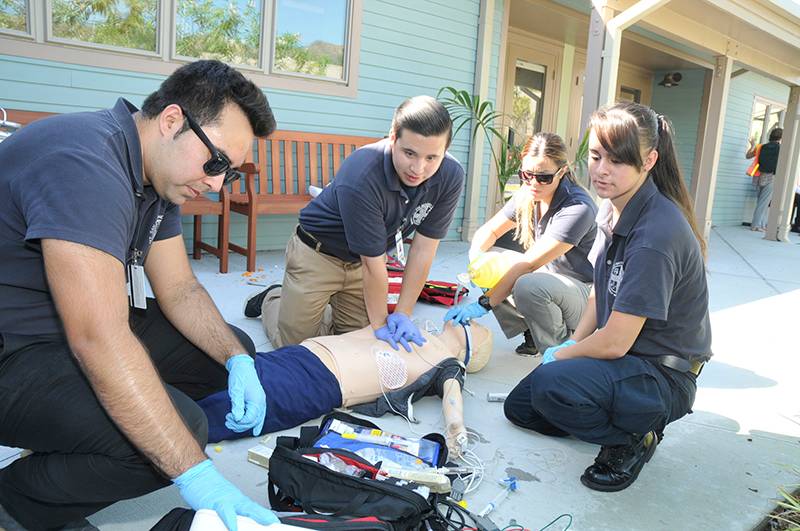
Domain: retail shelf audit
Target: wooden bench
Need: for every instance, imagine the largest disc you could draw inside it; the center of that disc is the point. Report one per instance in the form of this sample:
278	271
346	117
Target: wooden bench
277	181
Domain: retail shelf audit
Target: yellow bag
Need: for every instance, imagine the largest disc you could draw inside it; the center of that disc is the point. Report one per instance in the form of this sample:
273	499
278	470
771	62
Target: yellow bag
488	268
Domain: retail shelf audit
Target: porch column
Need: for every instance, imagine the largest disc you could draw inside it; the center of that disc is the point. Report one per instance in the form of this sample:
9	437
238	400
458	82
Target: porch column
710	147
600	15
483	57
613	45
786	173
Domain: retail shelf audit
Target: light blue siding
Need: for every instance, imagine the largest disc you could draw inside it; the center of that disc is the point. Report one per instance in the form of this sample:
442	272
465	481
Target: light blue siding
680	104
408	47
734	196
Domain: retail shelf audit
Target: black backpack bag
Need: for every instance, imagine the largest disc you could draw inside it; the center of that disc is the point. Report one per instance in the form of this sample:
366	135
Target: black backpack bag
297	483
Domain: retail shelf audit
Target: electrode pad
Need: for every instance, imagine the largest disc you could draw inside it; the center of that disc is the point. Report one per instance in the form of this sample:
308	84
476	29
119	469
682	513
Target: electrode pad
392	368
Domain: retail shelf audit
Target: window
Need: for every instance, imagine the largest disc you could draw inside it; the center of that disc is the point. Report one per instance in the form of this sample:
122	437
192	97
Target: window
766	117
14	15
228	30
309	45
529	84
131	24
310	37
630	94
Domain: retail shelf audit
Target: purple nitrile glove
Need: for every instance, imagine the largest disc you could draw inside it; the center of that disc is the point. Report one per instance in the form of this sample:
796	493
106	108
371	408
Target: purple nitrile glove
404	330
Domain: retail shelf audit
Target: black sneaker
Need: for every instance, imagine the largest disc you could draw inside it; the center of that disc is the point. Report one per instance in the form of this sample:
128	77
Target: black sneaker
252	305
617	467
527	347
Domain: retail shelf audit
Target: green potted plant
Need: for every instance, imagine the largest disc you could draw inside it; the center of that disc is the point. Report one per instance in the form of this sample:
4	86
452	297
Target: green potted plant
466	108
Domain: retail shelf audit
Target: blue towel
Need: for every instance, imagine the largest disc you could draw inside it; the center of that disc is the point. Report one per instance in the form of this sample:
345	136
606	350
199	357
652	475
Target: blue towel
298	385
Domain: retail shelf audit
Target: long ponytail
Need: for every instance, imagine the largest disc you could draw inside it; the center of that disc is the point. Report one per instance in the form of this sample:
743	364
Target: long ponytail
625	129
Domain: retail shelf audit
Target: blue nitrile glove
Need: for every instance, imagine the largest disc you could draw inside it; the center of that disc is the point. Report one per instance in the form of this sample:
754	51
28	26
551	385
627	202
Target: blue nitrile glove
550	354
248	400
404	330
464	313
204	488
383	334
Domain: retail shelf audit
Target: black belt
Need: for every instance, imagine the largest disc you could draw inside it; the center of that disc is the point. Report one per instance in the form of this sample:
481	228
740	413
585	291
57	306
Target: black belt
677	363
309	239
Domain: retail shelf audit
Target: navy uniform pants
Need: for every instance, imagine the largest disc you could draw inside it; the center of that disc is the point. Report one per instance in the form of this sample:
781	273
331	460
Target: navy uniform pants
600	401
81	462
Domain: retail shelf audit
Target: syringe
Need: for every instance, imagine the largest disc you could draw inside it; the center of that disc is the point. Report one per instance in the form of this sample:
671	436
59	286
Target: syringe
510	484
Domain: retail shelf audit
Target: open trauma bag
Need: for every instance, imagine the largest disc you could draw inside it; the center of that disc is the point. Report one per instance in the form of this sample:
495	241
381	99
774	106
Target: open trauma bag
297	483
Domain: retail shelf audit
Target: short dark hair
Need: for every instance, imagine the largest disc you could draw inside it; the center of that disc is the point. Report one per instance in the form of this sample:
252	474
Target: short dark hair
204	87
776	134
423	115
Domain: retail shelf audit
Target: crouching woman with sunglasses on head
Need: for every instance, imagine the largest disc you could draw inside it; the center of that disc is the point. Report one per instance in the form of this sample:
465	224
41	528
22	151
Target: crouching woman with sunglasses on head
553	217
645	333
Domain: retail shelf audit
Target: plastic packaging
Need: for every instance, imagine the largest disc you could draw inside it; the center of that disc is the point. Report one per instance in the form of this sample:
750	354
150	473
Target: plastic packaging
334	463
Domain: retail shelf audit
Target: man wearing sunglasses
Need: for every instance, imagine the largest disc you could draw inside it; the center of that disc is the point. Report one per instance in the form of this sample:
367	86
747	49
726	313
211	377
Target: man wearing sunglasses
98	380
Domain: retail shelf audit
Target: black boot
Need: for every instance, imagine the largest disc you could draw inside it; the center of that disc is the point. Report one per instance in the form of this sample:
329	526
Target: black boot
528	347
617	467
252	305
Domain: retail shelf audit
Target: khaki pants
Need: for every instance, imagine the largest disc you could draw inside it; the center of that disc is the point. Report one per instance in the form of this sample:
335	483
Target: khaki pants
547	304
312	282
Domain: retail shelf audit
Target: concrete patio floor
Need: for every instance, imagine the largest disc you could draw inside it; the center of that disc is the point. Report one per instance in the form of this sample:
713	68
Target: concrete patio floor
718	468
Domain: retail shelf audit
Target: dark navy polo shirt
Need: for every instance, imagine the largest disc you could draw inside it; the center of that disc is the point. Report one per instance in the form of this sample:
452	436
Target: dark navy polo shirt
71	177
364	206
570	219
650	265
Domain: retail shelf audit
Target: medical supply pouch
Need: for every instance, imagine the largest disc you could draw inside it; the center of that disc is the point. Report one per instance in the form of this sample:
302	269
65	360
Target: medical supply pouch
433	291
441	292
300	481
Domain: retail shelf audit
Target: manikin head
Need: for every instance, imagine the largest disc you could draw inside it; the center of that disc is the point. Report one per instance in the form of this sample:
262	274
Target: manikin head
481	351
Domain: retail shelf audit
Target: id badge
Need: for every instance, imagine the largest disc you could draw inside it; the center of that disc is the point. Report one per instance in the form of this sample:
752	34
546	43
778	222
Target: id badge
136	292
398	243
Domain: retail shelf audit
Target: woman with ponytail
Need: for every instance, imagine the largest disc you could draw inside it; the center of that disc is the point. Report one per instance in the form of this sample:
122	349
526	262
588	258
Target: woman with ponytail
631	365
553	219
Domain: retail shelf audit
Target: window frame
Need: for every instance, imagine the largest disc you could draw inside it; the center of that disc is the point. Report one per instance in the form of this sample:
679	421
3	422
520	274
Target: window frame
301	75
40	43
770	107
28	23
52	38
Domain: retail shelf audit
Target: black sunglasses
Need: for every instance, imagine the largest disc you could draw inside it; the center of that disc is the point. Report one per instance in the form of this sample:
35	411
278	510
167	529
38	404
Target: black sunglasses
219	163
527	177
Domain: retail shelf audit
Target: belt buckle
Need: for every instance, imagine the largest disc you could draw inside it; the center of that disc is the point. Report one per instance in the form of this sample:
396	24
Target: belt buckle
696	368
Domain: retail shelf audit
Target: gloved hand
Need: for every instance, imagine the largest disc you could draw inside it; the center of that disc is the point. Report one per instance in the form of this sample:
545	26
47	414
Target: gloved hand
404	330
248	400
204	488
550	354
383	334
465	313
